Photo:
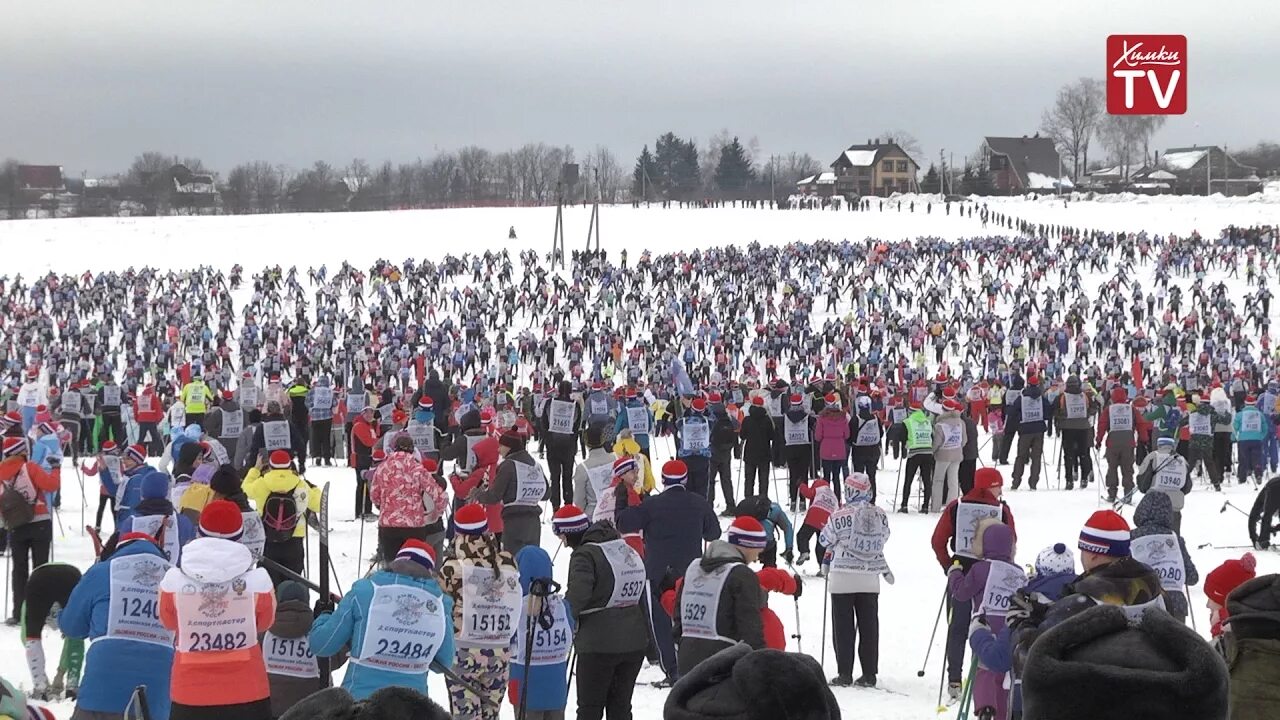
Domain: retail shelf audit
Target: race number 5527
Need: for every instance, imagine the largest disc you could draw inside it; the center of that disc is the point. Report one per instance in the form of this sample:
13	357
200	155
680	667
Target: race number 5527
1146	74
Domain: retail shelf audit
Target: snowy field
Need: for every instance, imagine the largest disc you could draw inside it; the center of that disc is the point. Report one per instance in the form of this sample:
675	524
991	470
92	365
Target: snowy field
907	609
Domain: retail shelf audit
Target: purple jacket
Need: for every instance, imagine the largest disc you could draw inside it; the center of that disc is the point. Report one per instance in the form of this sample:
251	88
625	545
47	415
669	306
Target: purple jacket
832	434
997	544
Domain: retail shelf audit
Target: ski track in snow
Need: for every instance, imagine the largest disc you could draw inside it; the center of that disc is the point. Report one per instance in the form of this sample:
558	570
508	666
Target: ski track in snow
907	609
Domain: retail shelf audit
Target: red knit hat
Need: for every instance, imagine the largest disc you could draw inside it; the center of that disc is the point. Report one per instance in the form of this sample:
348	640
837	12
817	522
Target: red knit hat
108	446
674	472
758	401
379	455
471	520
419	552
796	398
1228	576
430	464
14	446
425	402
279	459
1106	533
698	404
221	519
623	464
570	519
988	478
137	453
747	532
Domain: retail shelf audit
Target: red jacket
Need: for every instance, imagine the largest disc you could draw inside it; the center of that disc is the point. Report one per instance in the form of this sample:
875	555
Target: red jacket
364	434
944	532
486	469
43	481
146	407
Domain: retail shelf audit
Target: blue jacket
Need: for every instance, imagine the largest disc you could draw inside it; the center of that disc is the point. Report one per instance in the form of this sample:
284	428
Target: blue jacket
548	689
675	523
114	667
621	422
345	627
1264	427
132	495
47	451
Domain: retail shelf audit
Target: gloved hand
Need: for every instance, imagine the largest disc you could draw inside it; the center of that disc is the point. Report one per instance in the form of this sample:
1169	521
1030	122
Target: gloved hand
324	606
788	555
955	567
1025	607
799	586
978	623
888	576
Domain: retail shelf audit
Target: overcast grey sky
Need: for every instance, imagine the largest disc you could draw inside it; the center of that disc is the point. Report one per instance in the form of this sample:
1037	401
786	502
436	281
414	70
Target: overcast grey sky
91	84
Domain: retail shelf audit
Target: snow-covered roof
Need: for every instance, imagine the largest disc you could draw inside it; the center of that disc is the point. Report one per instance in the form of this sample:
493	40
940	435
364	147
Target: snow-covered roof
1161	175
1106	172
860	158
827	178
1036	181
1183	160
1150	186
806	181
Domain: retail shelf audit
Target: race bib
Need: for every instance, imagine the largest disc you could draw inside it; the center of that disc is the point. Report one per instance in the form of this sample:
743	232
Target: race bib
291	657
638	420
29	397
952	436
254	536
561	417
968	516
232	424
71	403
134	611
700	601
322	398
1003	580
357	402
424	437
531	484
551	645
774	406
489	606
1163	554
1076	406
216	618
111	395
795	433
628	574
406	627
276	435
1032	410
695	436
600	477
899	415
1251	422
825	499
863	535
599	405
868	433
1120	418
146	403
385	412
1201	424
151	524
249	396
1171	476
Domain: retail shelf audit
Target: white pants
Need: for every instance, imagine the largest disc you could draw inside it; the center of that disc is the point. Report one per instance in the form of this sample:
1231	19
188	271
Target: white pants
950	471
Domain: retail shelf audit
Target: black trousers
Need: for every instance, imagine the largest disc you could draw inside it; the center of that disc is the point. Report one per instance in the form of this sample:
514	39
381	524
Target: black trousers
750	472
363	504
865	459
721	467
1076	457
851	613
699	473
807	533
149	435
194	419
968	468
606	682
256	710
111	423
798	469
30	547
922	462
957	638
291	554
560	461
391	539
103	501
322	440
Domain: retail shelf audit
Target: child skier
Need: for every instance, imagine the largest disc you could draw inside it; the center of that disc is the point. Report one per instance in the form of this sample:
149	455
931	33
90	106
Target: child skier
822	502
547	689
1154	543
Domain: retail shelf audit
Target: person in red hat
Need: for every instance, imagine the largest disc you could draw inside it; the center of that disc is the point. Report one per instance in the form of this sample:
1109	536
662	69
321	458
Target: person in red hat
1118	425
953	542
283	499
759	435
148	411
29	523
1220	582
218	670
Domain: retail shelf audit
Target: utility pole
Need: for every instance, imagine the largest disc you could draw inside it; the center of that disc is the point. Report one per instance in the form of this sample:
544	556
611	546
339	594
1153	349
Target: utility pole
942	179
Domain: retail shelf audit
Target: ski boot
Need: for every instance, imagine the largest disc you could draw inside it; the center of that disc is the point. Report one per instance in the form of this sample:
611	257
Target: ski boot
986	713
954	692
866	681
804	558
841	681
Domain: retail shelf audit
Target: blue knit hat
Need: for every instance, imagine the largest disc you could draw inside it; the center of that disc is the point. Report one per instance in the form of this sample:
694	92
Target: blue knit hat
155	485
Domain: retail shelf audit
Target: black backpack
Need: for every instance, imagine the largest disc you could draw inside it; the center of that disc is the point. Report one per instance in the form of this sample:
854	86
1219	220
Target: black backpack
756	506
280	516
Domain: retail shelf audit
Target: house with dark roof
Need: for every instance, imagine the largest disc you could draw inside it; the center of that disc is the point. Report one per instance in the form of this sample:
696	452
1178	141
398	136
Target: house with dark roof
34	182
1209	169
1022	165
874	168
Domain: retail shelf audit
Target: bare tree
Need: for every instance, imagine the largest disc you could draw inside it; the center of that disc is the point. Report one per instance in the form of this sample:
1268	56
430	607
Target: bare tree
475	164
907	142
1073	119
604	175
1128	138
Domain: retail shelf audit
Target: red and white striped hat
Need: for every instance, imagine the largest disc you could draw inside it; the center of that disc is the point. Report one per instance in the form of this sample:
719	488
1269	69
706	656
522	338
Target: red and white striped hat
419	552
622	465
570	519
747	532
674	472
137	453
14	446
221	519
471	520
1106	533
279	459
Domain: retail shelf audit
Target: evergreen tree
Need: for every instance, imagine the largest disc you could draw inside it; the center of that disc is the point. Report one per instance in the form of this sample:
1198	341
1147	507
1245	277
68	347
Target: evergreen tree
735	171
644	175
675	175
932	182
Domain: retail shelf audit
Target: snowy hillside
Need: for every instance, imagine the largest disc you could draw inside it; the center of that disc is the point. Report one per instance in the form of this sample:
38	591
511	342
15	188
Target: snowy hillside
907	609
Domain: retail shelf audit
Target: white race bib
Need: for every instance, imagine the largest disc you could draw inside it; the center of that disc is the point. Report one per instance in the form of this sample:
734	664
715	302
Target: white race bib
868	433
531	484
599	405
322	398
29	396
899	415
111	395
1003	580
1032	410
695	435
1201	424
862	534
146	403
1251	422
600	477
700	601
825	499
276	435
217	617
1163	554
1120	418
357	402
291	657
968	516
71	403
489	606
628	574
795	433
952	436
232	424
406	627
1172	474
254	536
424	436
1075	405
561	417
774	406
551	645
134	611
638	420
151	524
249	396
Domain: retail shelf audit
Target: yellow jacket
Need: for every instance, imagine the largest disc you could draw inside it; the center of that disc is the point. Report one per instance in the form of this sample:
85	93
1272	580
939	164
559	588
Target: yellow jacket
628	446
196	396
258	485
194	499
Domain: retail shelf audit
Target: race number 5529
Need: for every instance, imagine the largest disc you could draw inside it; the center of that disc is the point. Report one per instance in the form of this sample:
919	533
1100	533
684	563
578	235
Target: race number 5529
1146	74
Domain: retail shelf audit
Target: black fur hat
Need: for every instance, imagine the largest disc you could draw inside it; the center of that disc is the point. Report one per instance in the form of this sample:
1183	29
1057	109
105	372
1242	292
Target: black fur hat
1103	666
741	684
389	703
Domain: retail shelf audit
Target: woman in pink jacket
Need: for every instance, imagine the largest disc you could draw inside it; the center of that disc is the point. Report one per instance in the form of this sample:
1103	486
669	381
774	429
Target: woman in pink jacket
832	435
407	496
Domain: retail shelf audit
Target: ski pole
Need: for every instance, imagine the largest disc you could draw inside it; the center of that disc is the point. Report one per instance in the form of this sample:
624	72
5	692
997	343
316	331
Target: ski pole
942	676
1186	591
1228	504
798	639
936	621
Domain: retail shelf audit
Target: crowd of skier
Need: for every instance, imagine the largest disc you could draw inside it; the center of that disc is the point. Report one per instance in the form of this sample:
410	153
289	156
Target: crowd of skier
480	400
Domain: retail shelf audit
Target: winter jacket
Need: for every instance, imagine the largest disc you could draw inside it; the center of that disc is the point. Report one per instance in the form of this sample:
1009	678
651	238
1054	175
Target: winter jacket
1154	516
853	535
591	584
347	626
623	422
504	487
480	477
675	522
259	486
1239	432
129	494
584	492
41	483
548	686
994	543
482	551
949	437
402	489
364	436
626	445
792	453
116	665
1015	413
738	614
944	533
290	631
758	436
1060	419
822	503
832	434
202	675
297	442
1252	648
163	508
1165	461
